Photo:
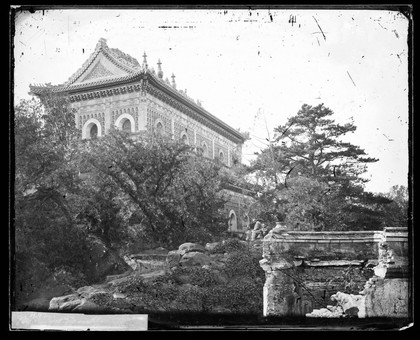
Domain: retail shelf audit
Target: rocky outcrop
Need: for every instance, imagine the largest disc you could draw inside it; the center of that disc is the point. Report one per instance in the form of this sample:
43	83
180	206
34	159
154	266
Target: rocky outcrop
81	301
188	254
190	247
194	259
198	280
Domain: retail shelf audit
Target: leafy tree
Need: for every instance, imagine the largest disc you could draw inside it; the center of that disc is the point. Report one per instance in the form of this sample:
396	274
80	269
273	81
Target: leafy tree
46	193
310	144
45	172
399	194
308	175
173	192
397	211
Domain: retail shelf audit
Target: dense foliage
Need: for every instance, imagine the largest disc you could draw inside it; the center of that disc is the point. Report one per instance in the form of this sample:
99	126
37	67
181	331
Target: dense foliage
173	192
312	179
120	188
124	188
198	289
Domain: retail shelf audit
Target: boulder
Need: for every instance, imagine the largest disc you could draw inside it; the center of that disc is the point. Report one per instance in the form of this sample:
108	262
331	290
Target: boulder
89	291
173	257
190	247
87	306
65	303
194	258
86	291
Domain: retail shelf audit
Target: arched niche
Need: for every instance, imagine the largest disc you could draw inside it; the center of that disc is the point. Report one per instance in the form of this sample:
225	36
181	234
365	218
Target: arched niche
122	121
91	127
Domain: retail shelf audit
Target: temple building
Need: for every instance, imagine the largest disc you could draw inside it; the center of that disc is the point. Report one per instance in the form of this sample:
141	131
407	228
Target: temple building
112	89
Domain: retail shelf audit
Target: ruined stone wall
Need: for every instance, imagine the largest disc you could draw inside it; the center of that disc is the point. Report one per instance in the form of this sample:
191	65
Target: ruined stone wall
305	269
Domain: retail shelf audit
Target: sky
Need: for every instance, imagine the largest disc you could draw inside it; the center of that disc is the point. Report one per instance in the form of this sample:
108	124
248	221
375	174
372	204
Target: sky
251	68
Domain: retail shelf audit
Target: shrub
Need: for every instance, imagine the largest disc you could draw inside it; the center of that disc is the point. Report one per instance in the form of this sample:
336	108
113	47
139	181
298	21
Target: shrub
132	285
243	263
102	299
190	298
239	296
197	276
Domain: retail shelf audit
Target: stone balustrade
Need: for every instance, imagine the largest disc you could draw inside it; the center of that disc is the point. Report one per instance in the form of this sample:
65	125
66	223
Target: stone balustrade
304	269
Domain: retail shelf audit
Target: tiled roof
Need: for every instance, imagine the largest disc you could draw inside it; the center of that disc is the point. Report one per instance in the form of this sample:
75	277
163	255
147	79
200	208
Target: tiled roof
120	59
133	72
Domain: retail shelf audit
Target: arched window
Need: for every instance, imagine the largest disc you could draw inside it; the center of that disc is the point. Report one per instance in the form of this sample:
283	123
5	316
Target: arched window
125	122
233	222
93	133
184	139
221	156
159	128
126	126
205	149
91	129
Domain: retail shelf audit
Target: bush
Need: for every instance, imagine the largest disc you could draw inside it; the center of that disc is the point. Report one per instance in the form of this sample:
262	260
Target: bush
102	299
239	296
198	276
190	298
243	263
132	285
70	276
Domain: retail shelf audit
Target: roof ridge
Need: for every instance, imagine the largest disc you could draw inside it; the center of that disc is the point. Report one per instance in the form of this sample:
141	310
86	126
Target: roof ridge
101	45
123	58
86	64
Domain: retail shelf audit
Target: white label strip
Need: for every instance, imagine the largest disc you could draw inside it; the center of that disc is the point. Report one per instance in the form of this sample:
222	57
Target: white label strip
78	322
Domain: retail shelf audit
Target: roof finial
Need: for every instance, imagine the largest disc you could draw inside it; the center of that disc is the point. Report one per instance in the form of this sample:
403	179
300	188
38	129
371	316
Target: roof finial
173	81
144	60
160	72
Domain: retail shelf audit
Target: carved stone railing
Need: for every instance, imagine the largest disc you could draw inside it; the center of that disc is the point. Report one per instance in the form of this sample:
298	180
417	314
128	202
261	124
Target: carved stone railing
304	269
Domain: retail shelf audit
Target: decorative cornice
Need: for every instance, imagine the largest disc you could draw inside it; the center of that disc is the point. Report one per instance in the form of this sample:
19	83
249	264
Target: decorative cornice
108	92
185	104
223	130
138	79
